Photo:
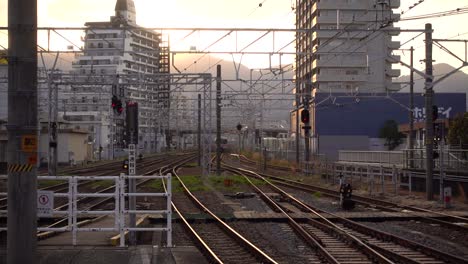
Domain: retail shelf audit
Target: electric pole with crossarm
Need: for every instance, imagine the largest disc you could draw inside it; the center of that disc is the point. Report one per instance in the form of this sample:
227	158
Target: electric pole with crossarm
22	131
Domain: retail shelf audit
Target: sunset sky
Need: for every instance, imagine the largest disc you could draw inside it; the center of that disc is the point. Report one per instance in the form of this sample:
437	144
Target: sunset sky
232	14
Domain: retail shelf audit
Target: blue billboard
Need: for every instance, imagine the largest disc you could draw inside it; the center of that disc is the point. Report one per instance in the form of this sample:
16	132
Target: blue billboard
364	114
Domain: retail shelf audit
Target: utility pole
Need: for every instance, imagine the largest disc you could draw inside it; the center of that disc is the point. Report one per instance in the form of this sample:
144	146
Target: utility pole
298	132
22	131
307	126
199	130
429	140
218	120
411	112
441	161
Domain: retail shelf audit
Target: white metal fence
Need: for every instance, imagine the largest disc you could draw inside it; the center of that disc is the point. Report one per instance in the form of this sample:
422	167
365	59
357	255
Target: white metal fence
120	211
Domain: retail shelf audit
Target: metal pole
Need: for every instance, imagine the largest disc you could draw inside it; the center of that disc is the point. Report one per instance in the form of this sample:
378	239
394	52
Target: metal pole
218	120
411	113
441	165
429	122
22	131
199	130
307	126
298	132
132	187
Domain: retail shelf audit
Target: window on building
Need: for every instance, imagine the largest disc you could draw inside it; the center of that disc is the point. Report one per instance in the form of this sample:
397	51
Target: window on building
100	45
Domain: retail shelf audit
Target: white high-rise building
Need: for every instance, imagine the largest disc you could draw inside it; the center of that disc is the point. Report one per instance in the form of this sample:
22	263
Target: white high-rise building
113	50
334	57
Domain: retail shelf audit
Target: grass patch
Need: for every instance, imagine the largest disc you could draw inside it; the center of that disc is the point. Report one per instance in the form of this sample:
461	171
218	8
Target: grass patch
237	181
191	164
193	183
317	194
154	184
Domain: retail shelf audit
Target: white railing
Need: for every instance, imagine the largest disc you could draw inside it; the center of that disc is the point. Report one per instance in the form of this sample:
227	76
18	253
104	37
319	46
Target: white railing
381	157
120	210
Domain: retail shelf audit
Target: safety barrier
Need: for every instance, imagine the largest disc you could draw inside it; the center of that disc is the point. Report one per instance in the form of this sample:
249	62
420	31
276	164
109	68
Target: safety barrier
119	195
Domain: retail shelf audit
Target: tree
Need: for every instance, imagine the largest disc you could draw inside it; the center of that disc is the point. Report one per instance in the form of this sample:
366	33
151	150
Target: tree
389	131
458	130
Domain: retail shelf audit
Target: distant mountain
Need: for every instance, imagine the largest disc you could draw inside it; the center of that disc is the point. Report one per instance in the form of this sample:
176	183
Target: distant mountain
235	86
456	83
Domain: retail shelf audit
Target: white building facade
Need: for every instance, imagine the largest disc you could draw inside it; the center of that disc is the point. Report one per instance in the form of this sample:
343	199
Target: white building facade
336	58
114	51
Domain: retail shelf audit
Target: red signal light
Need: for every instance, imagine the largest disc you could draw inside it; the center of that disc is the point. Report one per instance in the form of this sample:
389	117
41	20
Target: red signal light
305	117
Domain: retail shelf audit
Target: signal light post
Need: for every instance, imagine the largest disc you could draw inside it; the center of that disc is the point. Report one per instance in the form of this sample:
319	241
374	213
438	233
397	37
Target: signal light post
132	137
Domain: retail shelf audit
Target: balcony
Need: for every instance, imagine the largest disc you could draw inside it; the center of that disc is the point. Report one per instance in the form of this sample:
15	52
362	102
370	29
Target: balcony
393	72
394	45
341	4
338	63
338	78
393	87
393	58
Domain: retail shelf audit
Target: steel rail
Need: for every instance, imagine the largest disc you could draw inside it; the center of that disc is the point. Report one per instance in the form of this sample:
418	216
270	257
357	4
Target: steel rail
258	253
379	204
448	258
368	201
367	250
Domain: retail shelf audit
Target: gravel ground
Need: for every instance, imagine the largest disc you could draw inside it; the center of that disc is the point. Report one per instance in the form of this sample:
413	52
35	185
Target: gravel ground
443	239
278	240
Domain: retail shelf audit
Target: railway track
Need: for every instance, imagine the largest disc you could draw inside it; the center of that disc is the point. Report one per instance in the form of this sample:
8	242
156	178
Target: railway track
220	243
392	249
449	221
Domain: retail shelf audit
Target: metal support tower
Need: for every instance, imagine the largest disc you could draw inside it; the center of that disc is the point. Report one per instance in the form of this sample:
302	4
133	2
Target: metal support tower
199	131
207	137
218	120
429	122
53	127
411	112
22	131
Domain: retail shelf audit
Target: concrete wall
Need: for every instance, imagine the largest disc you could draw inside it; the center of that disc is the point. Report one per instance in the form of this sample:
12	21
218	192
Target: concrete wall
71	145
330	145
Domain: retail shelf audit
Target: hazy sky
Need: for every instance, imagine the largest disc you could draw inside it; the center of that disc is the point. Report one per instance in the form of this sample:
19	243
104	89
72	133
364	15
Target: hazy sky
233	13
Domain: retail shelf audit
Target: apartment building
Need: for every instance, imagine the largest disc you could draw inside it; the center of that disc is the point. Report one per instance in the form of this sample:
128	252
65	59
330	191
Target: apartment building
334	56
136	63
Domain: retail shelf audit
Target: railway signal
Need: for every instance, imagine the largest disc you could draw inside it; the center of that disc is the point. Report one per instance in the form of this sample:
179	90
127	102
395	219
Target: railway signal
117	105
305	116
132	122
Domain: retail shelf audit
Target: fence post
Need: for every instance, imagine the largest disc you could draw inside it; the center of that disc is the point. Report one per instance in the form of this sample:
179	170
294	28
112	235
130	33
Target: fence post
117	203
360	177
333	173
122	209
75	209
410	182
169	210
70	203
395	178
382	178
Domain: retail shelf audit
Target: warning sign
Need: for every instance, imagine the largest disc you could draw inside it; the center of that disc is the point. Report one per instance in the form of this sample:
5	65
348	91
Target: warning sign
45	203
29	143
32	159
